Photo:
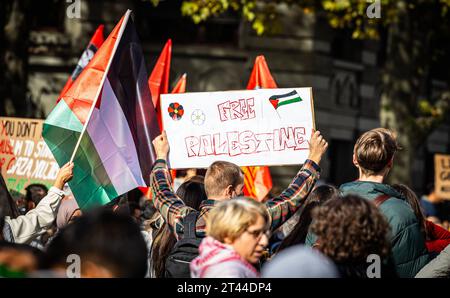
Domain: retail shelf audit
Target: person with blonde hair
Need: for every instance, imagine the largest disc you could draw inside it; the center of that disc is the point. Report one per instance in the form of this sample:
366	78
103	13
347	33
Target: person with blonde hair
224	181
237	235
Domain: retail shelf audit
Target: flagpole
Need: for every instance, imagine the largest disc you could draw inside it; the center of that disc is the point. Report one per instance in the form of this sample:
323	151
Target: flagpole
278	113
119	37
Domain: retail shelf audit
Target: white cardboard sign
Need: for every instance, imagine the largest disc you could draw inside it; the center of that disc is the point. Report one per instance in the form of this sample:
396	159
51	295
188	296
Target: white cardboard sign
246	127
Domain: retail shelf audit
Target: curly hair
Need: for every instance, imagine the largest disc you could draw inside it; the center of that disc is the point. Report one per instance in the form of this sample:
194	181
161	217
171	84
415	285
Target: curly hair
349	229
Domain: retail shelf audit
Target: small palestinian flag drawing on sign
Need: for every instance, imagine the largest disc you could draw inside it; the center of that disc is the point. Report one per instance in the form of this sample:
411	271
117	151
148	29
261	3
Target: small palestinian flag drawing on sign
176	111
284	99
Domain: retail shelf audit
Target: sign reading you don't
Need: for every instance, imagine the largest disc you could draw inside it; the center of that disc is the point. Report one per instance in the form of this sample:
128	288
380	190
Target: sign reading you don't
442	175
246	127
24	156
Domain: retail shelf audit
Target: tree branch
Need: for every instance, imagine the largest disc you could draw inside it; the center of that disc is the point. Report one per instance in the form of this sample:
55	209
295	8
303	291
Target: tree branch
439	111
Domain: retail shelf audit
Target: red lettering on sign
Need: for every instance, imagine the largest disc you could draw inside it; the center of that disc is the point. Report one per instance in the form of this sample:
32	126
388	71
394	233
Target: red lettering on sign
239	109
235	143
220	145
192	146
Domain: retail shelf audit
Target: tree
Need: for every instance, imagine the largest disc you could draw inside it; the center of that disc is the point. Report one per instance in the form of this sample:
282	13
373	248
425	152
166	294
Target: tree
415	35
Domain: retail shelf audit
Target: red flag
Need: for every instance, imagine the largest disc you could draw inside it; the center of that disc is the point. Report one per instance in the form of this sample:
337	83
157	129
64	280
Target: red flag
158	80
180	86
257	180
94	44
261	76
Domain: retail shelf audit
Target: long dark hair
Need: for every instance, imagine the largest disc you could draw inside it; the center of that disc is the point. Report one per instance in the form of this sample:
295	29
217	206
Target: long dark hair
192	192
7	205
413	201
317	197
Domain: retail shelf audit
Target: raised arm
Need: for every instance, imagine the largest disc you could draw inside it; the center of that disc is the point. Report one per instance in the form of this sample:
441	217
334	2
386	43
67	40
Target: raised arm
169	205
27	227
281	208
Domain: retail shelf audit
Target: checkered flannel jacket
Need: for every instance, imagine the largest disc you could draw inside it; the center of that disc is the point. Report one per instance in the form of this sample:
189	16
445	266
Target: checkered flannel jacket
280	208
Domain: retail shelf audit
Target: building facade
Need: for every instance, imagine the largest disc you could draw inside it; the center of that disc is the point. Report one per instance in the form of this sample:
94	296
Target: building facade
219	55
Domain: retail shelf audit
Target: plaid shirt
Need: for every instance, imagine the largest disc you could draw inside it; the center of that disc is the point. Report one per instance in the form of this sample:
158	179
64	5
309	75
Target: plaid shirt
280	208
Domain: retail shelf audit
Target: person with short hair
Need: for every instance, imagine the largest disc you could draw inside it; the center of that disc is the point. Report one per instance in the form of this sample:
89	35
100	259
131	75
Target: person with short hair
237	234
373	155
34	194
224	181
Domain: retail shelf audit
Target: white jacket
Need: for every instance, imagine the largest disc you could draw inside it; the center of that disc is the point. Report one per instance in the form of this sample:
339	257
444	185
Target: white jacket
26	228
439	267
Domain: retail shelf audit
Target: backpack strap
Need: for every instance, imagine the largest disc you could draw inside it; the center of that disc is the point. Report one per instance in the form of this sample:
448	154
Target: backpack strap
381	199
189	225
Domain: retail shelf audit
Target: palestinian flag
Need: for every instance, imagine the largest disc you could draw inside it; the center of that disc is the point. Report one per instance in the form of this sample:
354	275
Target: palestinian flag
94	44
284	99
110	106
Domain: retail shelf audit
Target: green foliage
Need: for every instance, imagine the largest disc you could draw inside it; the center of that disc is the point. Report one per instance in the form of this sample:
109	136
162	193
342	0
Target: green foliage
263	15
262	18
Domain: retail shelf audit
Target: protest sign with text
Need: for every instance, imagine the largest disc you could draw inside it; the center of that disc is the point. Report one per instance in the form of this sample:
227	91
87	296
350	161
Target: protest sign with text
24	156
442	175
246	127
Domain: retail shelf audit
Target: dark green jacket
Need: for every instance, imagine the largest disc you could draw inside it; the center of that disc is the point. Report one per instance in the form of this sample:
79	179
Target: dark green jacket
408	244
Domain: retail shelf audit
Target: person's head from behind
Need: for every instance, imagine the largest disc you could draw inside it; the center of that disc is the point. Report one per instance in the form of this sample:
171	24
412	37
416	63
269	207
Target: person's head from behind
224	180
192	192
34	194
322	194
242	223
108	244
68	211
349	229
374	151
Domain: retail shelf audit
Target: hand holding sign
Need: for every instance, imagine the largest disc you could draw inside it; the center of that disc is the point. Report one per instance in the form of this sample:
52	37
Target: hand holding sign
161	146
246	127
317	147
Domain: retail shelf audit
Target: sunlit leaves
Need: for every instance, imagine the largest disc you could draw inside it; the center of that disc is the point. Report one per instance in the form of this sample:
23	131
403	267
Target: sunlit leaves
341	13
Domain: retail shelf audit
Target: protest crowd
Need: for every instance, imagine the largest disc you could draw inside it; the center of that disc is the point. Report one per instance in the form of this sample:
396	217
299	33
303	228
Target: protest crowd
200	224
207	228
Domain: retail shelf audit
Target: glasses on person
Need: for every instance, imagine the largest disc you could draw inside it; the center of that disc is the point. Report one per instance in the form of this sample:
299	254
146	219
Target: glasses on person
257	234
